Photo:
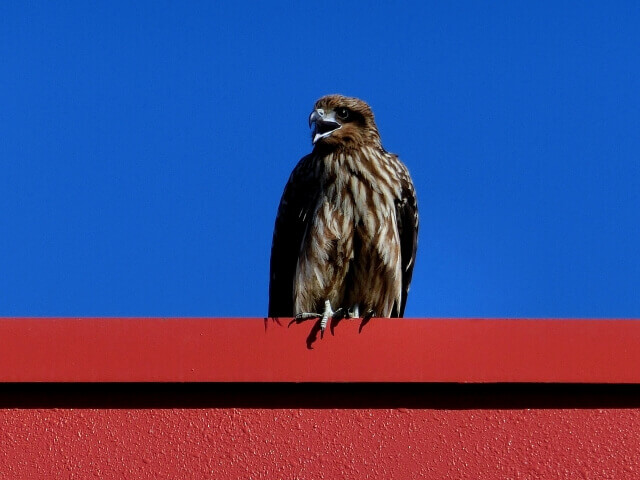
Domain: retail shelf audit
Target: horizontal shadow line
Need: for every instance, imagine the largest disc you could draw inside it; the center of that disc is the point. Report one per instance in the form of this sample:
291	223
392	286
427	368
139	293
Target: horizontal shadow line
450	396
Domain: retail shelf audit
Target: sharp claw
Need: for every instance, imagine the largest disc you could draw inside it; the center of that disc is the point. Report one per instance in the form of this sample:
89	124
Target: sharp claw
369	315
301	317
325	316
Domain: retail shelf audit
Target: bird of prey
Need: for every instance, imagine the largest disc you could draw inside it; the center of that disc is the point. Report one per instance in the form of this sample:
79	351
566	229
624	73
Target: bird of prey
346	231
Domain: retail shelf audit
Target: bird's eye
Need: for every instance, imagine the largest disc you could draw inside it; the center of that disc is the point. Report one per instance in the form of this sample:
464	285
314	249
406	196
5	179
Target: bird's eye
343	113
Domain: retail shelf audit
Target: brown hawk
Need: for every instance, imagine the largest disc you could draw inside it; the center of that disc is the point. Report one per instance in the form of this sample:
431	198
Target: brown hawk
345	235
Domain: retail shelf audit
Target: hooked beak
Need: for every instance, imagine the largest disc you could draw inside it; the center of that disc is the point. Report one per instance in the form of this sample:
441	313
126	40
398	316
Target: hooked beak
322	124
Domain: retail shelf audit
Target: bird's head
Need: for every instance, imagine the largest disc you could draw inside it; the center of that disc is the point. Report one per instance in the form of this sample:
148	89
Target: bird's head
342	121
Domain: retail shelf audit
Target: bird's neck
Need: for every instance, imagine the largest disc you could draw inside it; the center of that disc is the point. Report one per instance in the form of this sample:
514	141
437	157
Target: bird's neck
363	162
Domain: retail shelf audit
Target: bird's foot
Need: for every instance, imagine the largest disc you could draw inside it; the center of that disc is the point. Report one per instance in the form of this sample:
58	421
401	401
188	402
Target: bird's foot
324	317
365	319
353	312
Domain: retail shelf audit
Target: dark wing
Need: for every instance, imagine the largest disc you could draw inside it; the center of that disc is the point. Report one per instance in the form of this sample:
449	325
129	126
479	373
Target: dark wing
407	217
294	215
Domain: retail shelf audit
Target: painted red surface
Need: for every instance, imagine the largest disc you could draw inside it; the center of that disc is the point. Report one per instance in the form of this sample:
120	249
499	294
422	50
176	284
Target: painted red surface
320	444
258	350
289	442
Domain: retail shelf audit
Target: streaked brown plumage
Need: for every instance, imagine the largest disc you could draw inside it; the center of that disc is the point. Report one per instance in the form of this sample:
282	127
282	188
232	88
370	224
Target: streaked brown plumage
347	225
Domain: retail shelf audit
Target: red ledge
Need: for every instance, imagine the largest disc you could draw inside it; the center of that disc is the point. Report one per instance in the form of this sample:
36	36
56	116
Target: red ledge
255	350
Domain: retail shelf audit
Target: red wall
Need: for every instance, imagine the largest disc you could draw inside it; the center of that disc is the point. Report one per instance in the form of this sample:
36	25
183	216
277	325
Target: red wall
259	350
573	425
292	443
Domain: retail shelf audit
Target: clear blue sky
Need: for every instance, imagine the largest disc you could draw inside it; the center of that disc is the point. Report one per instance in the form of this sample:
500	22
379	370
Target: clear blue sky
144	147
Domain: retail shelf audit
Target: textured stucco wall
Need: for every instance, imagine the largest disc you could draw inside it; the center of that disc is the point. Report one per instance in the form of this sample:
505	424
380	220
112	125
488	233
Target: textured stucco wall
256	443
484	399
